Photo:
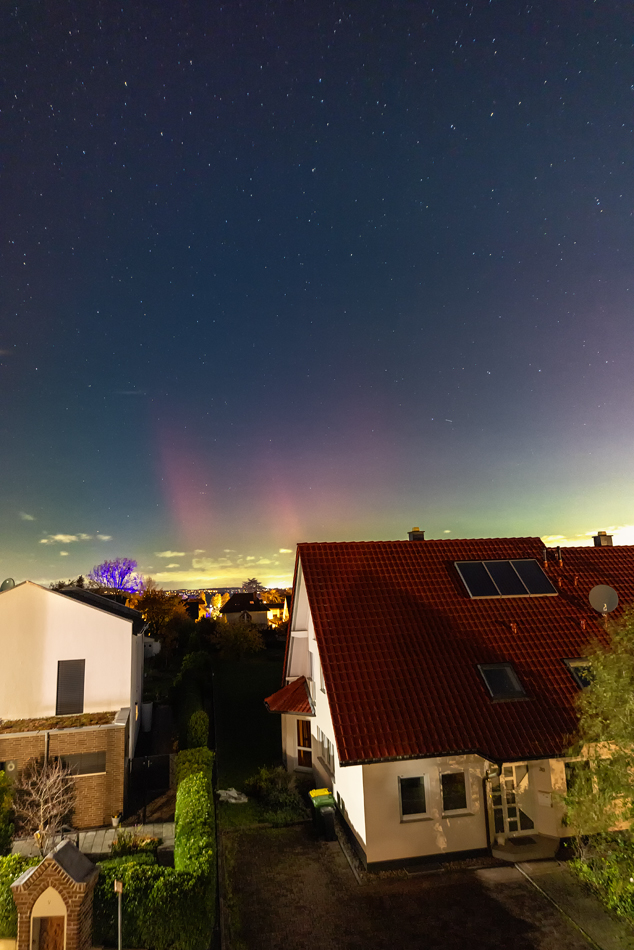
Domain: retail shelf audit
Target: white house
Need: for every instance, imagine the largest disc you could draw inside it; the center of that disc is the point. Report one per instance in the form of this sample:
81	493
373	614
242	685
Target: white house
71	682
430	685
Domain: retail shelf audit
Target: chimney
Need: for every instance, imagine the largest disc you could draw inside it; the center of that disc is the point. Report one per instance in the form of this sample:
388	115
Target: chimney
416	534
602	540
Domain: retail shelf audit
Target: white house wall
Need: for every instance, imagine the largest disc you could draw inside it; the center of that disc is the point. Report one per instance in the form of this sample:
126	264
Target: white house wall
389	838
39	627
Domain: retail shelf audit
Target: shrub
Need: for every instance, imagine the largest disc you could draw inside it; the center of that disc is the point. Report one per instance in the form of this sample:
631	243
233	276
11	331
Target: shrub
607	866
191	761
198	729
11	867
6	814
275	788
141	857
130	843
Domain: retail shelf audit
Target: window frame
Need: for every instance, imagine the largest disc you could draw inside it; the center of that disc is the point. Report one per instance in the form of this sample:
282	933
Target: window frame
419	815
451	812
305	751
502	697
62	700
572	663
77	756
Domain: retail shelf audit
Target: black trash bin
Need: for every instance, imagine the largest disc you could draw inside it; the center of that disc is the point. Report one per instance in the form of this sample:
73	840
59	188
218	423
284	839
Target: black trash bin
324	813
327	816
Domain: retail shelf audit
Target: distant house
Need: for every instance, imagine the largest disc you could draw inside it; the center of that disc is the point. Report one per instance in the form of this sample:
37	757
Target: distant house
247	608
275	612
431	686
71	681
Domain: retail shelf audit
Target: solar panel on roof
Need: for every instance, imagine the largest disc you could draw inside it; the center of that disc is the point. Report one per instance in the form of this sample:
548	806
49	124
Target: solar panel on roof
477	579
504	578
533	576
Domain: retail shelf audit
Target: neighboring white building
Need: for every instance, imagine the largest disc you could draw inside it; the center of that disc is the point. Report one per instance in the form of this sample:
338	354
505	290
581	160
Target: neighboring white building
431	685
63	656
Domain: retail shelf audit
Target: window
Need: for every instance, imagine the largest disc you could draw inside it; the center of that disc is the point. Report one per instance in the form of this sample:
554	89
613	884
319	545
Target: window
304	754
322	685
578	773
85	763
581	670
501	681
70	687
454	791
327	750
413	797
518	578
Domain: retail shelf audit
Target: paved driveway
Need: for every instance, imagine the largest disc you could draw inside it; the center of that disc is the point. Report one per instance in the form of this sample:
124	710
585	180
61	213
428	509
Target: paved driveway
292	892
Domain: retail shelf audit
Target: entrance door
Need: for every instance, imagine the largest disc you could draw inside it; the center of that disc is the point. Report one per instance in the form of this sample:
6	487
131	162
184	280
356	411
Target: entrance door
512	801
51	933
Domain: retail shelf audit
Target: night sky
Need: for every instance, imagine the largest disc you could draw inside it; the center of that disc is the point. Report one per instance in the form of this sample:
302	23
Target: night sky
299	270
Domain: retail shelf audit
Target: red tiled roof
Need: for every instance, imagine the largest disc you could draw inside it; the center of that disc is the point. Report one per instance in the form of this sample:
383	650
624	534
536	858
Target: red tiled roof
293	698
399	640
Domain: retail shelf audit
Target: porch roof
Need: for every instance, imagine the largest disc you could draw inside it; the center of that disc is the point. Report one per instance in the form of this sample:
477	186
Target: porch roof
292	698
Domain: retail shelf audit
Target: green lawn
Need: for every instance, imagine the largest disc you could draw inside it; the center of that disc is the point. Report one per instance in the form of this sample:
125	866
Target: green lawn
247	735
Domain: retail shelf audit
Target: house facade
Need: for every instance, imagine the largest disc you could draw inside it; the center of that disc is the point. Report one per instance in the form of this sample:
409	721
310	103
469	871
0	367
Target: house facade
71	685
431	686
245	608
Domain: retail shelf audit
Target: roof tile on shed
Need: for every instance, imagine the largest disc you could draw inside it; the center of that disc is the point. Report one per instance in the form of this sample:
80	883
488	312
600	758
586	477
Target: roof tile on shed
400	640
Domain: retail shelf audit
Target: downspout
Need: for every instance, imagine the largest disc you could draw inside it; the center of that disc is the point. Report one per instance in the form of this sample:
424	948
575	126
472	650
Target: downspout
485	800
47	739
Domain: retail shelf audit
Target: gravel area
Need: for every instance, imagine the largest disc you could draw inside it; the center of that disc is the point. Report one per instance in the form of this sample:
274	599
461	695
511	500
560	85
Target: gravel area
287	890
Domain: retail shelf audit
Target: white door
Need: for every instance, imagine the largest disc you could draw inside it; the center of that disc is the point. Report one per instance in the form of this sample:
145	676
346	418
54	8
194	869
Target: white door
512	800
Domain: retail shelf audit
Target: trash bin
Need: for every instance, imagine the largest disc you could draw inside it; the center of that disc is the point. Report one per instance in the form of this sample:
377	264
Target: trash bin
324	812
327	818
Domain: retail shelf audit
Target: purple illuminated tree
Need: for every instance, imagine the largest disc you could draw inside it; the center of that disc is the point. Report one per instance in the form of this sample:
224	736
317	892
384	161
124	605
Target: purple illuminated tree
119	574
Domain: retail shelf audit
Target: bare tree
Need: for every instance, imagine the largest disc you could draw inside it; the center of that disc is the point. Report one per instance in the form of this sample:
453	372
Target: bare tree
44	800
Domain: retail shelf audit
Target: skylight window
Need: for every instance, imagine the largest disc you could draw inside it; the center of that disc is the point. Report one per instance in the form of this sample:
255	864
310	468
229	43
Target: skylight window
501	681
518	578
581	670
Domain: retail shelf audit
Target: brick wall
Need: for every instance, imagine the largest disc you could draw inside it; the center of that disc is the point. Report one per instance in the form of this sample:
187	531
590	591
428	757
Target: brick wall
78	899
99	796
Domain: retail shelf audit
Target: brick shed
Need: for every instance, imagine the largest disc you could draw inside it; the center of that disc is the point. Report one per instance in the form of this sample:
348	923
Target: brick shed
54	901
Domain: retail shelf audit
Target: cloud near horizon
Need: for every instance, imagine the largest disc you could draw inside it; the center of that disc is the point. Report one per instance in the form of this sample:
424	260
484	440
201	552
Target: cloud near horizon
169	554
70	538
25	516
621	534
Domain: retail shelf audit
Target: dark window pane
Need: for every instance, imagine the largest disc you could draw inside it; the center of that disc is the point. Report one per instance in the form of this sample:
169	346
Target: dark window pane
454	791
525	822
304	759
505	577
533	576
70	687
303	733
476	579
413	796
498	819
512	825
578	772
502	681
85	763
581	671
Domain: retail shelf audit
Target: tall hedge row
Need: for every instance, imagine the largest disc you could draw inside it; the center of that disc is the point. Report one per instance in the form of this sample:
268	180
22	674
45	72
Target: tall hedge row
166	908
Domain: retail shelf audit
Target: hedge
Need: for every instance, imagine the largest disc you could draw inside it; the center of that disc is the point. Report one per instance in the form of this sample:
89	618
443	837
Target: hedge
191	761
11	867
167	908
198	729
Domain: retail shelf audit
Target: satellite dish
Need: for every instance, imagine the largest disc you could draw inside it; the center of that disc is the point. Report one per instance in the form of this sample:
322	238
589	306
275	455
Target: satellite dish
604	599
9	584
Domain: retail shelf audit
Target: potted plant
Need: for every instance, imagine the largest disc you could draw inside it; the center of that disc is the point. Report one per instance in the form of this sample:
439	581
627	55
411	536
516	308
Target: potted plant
116	818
